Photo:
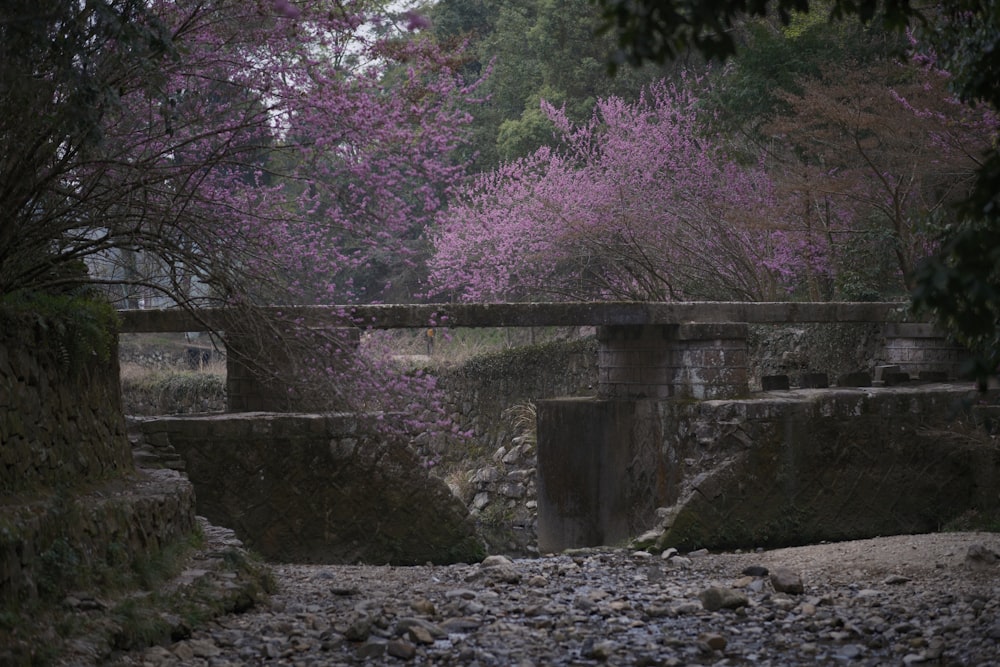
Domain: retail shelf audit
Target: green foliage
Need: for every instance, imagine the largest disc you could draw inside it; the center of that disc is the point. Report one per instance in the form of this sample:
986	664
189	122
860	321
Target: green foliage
538	50
507	363
170	391
138	625
661	30
773	59
524	421
867	265
79	326
58	565
960	285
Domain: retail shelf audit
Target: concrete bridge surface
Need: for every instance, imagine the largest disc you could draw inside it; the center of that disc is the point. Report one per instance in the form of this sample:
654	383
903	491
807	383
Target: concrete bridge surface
607	313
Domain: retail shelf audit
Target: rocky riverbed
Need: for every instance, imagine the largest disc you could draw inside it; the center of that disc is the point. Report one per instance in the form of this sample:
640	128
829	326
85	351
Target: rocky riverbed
907	600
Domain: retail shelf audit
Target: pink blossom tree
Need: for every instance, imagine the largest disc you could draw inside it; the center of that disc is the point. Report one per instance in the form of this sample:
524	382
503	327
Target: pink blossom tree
221	152
638	203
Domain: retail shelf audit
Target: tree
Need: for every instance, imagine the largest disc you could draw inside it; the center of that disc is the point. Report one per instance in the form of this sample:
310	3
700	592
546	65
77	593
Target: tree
208	138
877	156
639	203
961	282
248	152
534	50
660	30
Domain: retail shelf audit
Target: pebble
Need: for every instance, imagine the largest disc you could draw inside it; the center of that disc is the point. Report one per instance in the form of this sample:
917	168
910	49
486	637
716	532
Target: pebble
599	607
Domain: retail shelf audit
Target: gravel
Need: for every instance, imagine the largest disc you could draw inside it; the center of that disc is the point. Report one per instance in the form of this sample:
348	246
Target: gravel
907	600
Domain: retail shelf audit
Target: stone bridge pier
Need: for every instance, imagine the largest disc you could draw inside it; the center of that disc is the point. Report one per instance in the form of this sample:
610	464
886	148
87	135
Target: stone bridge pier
601	474
698	361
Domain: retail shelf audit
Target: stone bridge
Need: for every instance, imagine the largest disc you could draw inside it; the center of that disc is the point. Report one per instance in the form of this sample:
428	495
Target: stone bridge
674	435
692	350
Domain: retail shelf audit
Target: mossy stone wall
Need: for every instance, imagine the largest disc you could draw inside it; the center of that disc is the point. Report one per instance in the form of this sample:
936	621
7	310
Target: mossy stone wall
61	422
73	508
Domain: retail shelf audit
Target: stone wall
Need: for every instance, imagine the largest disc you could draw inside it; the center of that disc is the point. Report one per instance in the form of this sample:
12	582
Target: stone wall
73	504
673	361
54	543
481	390
61	421
789	468
831	348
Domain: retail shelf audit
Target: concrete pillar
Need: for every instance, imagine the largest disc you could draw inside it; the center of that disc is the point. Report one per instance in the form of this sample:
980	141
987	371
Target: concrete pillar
600	474
265	373
921	348
699	361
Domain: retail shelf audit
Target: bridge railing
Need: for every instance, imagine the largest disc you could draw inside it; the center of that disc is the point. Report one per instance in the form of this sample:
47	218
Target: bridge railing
646	350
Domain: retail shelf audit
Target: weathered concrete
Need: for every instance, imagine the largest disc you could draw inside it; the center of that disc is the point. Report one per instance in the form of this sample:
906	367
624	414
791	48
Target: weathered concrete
776	469
318	488
599	475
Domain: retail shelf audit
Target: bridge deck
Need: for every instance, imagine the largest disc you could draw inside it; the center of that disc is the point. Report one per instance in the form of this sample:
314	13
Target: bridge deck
402	316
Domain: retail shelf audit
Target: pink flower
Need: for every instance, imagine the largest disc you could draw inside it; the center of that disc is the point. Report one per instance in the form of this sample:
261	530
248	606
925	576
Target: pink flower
287	9
415	21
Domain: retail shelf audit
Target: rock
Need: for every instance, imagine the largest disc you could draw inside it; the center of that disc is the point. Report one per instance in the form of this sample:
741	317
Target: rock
895	579
419	630
464	593
496	561
400	648
980	557
647	539
184	652
785	580
461	625
512	490
359	629
372	648
203	648
716	598
713	641
600	606
755	571
486	475
500	569
850	652
423	606
481	500
599	650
